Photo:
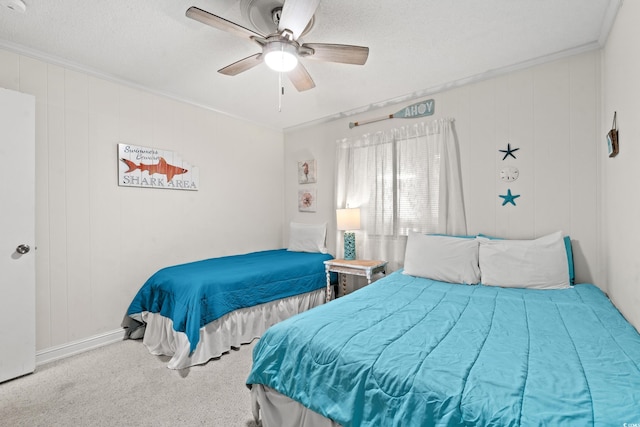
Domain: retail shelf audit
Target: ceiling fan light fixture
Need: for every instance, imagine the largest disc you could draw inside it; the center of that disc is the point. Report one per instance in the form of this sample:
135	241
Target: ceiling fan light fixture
280	56
281	48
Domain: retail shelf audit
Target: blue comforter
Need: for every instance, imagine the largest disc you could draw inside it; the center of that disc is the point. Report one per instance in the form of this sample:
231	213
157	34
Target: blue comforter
406	351
194	294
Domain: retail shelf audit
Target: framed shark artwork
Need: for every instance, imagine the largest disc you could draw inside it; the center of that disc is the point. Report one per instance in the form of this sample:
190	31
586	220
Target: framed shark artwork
149	167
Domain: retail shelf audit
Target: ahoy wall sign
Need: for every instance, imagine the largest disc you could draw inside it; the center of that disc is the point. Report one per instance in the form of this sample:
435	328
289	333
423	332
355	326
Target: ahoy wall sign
150	167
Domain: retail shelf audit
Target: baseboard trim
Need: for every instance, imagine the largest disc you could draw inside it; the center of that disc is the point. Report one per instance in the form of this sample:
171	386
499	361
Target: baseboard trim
52	354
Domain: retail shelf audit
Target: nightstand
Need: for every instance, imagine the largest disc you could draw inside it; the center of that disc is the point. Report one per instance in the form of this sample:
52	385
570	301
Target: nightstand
358	267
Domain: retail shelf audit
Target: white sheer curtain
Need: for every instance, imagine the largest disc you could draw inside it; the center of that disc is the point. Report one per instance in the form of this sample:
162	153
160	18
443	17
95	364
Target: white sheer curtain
403	179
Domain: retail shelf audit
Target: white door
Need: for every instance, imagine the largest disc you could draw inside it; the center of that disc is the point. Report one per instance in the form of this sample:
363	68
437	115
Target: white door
17	235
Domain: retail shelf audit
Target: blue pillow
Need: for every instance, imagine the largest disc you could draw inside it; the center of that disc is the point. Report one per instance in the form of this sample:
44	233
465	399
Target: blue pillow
567	245
572	274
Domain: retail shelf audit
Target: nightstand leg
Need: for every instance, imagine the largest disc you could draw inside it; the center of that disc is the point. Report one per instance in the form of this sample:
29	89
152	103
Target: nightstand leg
328	296
343	280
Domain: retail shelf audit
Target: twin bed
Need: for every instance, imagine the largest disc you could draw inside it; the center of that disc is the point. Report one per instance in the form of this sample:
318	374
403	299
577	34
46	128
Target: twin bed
472	332
198	311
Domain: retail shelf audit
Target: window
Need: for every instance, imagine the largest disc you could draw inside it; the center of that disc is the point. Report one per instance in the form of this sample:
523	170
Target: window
400	181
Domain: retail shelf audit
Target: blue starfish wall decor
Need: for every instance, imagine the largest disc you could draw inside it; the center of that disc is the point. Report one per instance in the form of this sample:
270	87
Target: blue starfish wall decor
509	198
509	152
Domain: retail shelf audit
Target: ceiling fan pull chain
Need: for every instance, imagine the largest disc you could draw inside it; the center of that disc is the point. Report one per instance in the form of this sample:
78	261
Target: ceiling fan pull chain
279	92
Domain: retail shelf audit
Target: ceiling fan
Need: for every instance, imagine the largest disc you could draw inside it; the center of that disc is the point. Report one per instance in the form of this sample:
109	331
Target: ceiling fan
282	49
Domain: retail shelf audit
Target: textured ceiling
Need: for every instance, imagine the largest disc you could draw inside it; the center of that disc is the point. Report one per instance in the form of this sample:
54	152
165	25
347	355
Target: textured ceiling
415	46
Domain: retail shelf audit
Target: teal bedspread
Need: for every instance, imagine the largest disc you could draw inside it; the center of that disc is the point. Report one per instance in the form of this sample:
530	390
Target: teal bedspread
407	351
194	294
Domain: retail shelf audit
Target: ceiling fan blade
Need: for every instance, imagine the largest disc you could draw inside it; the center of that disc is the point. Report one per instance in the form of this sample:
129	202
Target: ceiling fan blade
301	78
296	14
242	65
221	23
342	53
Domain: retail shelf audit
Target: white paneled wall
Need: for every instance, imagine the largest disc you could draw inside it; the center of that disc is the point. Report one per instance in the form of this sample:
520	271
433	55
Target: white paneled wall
98	242
550	112
621	174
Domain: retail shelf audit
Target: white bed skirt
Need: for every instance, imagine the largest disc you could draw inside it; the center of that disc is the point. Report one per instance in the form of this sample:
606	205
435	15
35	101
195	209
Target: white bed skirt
277	410
230	331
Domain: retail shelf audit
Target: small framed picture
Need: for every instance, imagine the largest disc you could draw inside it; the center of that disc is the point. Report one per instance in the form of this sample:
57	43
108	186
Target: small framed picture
307	200
612	143
307	172
612	138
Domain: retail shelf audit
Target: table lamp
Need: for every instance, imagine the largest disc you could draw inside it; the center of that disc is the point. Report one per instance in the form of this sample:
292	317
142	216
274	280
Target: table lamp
348	220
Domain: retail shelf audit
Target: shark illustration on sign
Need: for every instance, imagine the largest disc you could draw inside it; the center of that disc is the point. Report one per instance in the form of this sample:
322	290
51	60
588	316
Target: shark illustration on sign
162	167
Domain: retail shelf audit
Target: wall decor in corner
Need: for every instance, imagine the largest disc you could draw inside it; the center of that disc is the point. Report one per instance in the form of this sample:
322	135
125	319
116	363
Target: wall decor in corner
149	167
307	200
307	172
612	138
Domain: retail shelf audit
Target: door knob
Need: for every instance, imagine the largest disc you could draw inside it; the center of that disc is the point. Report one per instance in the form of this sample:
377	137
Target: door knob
23	249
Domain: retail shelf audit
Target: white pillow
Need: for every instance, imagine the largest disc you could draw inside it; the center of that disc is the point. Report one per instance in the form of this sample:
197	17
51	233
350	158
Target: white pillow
307	237
535	264
442	258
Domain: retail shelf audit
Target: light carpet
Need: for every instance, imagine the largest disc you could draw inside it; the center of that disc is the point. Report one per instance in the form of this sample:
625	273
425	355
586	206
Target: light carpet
122	384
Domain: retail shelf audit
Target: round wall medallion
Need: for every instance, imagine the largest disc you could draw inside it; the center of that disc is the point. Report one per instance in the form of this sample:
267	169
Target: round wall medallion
509	173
